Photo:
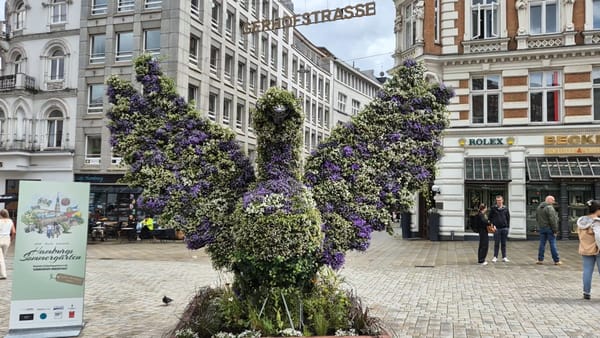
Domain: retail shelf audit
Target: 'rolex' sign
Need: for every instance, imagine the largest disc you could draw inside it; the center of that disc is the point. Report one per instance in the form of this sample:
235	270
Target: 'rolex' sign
310	18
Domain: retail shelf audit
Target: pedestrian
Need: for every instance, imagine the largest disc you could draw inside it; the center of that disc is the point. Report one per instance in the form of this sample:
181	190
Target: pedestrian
500	217
7	232
480	223
547	221
588	228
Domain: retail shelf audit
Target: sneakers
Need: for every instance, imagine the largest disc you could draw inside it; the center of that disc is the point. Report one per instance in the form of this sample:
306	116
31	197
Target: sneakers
505	259
494	260
587	296
483	263
539	262
558	263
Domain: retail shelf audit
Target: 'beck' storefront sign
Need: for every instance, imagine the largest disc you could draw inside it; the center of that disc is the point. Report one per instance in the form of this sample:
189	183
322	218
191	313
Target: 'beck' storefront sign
310	18
572	144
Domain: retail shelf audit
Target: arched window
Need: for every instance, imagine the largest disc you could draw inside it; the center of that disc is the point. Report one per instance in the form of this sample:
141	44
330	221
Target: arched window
2	126
57	65
17	64
20	16
55	129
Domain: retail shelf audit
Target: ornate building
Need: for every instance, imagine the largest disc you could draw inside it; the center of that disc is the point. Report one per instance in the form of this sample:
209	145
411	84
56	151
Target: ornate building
525	119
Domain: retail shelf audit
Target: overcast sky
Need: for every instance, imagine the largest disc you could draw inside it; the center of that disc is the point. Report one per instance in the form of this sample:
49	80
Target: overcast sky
367	42
358	41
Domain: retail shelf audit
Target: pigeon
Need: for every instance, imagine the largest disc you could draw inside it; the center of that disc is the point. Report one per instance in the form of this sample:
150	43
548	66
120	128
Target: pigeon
166	300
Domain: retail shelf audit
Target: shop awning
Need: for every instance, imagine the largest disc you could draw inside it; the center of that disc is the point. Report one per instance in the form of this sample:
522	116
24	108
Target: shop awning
486	169
547	168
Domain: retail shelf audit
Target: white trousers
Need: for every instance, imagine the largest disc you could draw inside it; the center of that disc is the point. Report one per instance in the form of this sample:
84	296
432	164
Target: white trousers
4	244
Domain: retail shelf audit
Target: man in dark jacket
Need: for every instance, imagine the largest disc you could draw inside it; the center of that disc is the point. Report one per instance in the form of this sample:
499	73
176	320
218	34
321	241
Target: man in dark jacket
547	220
500	217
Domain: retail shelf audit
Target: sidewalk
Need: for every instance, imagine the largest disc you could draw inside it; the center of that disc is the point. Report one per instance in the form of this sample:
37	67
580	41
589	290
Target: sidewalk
419	288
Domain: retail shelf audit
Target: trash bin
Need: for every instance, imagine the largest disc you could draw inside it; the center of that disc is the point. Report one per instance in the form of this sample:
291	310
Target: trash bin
434	225
405	224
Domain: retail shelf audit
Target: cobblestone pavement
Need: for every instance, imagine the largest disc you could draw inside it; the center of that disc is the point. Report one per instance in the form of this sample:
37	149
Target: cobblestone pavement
419	288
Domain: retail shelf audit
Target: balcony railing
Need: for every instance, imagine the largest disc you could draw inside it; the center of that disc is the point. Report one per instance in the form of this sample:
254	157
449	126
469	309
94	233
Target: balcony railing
12	142
17	81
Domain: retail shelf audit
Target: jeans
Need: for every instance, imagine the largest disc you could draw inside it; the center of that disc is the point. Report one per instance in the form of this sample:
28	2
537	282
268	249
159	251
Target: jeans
483	245
546	234
500	237
588	271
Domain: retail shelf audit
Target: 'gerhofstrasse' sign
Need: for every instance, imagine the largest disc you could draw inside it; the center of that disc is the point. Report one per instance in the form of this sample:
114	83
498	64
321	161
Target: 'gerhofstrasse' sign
310	18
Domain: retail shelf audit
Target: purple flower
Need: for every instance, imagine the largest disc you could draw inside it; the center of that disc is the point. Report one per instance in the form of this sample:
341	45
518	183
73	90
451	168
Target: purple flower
347	151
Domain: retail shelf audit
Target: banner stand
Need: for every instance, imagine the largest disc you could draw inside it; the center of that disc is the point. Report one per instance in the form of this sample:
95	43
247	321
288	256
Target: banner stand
65	331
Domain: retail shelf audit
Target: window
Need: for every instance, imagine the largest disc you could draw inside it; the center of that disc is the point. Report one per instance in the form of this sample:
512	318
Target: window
153	4
355	107
17	64
596	88
484	19
99	7
126	5
228	66
436	20
97	48
263	83
152	41
242	37
213	105
215	56
410	25
327	90
253	78
596	14
193	94
194	50
57	65
58	11
253	42
2	123
229	24
95	98
265	9
284	62
263	48
294	69
326	118
274	55
342	102
216	15
93	148
485	98
227	106
543	17
197	9
55	129
20	16
241	73
115	158
544	96
239	114
320	115
124	46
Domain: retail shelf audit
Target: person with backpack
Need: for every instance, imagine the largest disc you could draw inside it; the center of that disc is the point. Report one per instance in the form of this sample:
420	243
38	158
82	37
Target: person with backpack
500	218
479	225
588	228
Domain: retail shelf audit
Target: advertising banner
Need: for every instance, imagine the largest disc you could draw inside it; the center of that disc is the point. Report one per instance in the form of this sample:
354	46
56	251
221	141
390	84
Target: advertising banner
50	254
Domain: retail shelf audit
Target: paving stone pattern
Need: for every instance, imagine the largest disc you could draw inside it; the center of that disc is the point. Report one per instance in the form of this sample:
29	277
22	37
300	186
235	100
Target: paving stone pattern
418	287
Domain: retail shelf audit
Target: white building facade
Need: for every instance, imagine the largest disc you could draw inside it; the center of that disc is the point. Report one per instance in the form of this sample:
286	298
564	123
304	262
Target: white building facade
525	122
38	92
202	47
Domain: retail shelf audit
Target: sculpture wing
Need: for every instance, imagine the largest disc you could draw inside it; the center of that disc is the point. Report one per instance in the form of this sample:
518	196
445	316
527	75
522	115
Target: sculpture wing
375	163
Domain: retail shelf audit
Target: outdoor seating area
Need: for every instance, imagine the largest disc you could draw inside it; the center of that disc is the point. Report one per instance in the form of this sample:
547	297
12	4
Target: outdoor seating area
113	230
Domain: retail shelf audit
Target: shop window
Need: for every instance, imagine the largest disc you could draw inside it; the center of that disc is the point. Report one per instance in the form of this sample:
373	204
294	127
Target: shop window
596	85
484	19
543	17
545	96
485	98
486	169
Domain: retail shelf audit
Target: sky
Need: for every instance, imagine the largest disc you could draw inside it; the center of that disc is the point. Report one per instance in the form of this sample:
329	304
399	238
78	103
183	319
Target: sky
367	42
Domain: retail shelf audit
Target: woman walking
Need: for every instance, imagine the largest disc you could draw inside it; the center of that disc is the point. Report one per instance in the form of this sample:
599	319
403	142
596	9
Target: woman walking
481	226
588	248
7	230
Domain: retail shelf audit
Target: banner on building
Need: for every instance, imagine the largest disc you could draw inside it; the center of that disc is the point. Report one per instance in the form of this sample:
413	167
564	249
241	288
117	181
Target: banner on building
49	265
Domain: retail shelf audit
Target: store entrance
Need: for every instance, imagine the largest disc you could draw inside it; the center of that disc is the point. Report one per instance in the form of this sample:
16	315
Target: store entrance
477	193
